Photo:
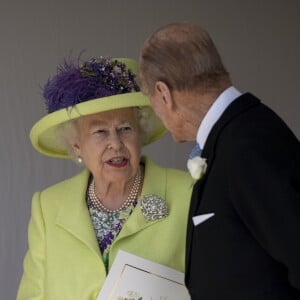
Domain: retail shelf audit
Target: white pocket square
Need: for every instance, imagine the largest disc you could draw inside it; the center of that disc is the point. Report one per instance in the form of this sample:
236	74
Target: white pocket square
201	218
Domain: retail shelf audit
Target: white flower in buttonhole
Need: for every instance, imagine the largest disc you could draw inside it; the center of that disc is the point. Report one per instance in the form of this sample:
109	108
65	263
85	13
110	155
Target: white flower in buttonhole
197	167
196	164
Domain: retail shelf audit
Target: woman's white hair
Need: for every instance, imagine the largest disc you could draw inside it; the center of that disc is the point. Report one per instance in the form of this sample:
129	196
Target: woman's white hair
68	132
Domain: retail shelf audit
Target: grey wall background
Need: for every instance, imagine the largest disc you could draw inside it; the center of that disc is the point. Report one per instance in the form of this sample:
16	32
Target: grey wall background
258	40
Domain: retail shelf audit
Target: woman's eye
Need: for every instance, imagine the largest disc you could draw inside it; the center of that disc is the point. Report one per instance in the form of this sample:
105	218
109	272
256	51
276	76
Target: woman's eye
126	128
99	131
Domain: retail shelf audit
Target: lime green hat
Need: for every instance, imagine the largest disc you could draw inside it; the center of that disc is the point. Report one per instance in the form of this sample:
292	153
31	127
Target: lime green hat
95	86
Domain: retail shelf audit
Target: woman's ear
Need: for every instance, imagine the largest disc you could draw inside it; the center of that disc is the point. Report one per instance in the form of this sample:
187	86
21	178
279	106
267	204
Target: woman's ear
164	93
76	148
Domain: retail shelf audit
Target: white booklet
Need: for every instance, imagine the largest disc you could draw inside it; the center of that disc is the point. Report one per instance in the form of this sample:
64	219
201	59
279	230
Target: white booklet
134	278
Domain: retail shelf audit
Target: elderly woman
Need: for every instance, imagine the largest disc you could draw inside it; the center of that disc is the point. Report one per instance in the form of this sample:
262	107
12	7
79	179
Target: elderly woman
120	200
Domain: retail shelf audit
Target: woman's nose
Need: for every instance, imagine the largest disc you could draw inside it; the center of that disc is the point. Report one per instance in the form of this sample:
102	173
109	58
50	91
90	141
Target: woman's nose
115	141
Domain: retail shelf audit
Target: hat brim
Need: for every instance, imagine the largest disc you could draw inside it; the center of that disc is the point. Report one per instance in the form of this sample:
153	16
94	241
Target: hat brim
43	134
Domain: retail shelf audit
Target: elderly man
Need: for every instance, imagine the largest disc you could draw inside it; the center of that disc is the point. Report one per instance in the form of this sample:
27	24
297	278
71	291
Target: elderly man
244	220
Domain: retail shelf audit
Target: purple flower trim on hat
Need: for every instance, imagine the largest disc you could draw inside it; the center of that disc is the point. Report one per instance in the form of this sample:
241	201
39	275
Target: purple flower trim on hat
96	78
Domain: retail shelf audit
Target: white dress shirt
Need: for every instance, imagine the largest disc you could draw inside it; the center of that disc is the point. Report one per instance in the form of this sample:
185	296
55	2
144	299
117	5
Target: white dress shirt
214	113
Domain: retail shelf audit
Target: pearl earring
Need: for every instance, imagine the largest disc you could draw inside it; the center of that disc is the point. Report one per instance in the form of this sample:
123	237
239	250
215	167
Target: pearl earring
79	160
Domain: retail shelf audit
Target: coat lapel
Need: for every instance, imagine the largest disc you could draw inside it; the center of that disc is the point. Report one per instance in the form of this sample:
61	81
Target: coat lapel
73	216
240	105
237	107
154	180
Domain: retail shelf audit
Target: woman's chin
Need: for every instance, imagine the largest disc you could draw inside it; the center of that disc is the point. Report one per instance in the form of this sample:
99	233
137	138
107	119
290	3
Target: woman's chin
118	173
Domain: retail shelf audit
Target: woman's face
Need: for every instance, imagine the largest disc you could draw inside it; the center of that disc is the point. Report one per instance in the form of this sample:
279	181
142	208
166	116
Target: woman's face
109	144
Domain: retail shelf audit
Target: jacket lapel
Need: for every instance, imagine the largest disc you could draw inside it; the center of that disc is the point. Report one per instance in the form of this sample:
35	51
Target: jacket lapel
154	180
240	105
73	215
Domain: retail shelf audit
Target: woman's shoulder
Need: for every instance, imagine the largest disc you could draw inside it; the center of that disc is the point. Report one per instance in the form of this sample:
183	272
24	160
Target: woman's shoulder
67	184
172	174
178	173
60	194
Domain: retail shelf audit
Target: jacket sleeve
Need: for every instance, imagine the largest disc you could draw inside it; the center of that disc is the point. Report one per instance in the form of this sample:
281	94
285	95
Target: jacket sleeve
32	282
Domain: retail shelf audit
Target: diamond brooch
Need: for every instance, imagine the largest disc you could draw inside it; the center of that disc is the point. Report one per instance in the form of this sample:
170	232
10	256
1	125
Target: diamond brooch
153	207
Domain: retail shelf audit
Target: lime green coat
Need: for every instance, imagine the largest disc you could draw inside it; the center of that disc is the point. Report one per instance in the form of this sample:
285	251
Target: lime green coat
64	262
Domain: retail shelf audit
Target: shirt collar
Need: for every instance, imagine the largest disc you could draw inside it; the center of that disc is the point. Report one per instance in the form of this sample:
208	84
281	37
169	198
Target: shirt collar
215	112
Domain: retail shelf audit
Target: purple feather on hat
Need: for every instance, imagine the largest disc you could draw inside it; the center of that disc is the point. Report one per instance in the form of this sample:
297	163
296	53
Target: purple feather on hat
96	78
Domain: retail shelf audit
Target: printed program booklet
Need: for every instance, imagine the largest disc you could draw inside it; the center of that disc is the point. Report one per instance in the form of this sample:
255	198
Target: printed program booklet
134	278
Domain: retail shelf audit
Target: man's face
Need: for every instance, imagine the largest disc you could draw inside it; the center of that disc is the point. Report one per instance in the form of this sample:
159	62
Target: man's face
171	118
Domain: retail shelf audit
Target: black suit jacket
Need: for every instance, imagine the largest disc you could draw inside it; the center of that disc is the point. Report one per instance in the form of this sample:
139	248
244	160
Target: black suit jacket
250	248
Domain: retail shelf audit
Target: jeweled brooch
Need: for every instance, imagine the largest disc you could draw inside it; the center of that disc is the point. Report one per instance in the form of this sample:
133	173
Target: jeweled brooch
154	207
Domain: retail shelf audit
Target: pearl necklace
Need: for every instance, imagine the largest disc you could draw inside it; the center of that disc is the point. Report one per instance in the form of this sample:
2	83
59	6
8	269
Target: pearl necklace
131	197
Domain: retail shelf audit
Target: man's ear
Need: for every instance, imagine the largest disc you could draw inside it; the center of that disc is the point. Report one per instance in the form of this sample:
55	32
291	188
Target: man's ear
165	94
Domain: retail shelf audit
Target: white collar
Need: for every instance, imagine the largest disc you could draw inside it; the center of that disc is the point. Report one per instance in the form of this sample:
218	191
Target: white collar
215	112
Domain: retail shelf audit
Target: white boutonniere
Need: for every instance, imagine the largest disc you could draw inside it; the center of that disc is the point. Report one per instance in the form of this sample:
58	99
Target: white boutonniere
197	166
153	207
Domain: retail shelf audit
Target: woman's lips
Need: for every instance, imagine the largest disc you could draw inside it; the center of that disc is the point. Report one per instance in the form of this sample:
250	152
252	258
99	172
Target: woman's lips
117	162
